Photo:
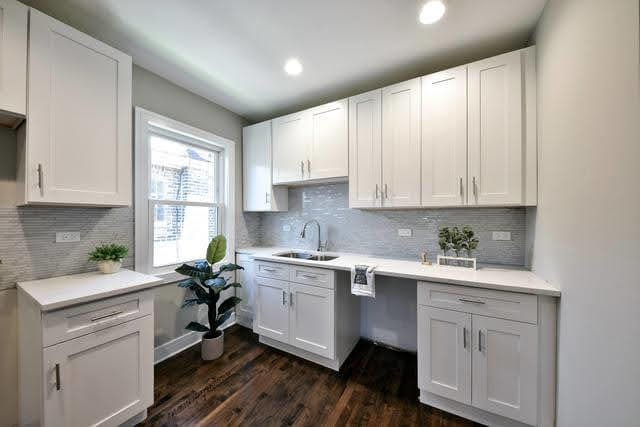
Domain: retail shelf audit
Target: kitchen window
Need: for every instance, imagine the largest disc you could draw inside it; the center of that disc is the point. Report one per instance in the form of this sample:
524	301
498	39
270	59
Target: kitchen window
183	198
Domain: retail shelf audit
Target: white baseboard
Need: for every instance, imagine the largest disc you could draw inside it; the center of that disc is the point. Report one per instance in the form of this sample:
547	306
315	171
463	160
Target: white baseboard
183	342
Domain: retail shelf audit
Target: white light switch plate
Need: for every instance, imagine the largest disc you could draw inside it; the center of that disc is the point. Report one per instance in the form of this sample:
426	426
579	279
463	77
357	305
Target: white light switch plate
501	235
286	227
68	237
404	232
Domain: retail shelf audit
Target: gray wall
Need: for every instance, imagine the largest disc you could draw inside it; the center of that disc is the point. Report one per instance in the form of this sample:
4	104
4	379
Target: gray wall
587	225
375	232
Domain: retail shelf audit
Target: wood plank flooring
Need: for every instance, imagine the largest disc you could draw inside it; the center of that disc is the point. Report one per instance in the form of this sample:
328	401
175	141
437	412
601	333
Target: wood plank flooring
255	385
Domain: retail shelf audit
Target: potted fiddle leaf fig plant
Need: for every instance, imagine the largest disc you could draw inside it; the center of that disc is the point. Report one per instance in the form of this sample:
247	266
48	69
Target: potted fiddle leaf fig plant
207	281
109	257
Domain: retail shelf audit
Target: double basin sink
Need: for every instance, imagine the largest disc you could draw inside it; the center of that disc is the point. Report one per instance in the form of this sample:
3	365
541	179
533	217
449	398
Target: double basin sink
307	256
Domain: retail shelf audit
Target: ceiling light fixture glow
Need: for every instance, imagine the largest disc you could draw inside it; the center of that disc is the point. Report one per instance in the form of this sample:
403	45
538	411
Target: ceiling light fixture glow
293	67
432	11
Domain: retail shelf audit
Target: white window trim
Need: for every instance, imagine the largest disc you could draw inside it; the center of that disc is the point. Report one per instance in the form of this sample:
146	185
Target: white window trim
144	119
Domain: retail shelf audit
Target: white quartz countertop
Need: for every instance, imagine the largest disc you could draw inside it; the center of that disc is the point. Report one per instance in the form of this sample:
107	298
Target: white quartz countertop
65	291
498	278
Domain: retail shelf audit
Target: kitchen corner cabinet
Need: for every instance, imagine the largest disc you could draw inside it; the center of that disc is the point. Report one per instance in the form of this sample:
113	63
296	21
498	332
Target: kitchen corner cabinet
259	195
75	147
13	62
311	145
487	355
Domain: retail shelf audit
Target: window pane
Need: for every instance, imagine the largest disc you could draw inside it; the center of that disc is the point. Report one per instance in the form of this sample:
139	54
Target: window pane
182	233
181	172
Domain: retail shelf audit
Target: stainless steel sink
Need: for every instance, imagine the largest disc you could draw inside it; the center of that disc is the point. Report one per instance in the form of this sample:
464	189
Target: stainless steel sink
322	258
299	255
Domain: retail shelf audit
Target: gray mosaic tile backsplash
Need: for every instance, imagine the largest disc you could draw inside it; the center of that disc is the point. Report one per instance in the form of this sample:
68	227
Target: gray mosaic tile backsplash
376	232
27	240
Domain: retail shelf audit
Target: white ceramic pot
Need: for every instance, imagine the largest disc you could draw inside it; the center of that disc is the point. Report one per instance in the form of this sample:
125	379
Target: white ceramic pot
109	267
212	348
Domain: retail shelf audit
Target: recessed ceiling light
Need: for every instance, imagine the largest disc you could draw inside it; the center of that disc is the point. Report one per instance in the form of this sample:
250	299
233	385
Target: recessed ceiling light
432	11
293	67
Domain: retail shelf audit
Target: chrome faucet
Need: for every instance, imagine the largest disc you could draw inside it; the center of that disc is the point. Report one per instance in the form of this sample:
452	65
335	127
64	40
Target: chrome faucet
320	247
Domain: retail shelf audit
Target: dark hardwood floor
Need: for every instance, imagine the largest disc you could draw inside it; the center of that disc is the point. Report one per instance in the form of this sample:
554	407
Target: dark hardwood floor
255	385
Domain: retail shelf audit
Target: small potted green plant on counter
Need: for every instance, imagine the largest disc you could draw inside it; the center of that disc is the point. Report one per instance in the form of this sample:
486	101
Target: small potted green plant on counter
109	257
207	282
458	241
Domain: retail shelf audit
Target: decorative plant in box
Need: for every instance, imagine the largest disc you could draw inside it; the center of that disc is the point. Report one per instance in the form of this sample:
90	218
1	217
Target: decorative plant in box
458	241
109	257
207	282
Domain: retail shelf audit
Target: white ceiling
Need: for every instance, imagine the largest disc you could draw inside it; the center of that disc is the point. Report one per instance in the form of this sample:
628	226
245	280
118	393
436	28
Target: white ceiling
232	51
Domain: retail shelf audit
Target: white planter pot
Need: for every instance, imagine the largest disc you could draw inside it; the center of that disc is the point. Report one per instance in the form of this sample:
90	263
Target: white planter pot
109	267
212	348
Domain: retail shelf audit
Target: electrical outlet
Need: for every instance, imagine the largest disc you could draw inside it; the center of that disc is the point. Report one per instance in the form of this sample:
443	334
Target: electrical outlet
286	227
404	232
68	237
501	235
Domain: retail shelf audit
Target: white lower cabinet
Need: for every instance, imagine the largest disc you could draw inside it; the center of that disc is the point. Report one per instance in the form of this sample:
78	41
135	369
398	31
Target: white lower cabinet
299	311
246	293
489	369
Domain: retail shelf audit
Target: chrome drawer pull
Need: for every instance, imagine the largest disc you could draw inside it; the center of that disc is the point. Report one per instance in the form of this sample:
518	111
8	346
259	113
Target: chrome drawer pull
270	270
309	276
113	313
472	301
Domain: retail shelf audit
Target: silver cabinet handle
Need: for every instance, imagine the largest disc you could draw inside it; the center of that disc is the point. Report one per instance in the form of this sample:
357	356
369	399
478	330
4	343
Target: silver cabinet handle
270	270
464	337
104	316
377	192
461	188
266	197
41	178
475	187
284	295
471	301
302	168
386	192
309	167
58	383
480	340
310	276
291	299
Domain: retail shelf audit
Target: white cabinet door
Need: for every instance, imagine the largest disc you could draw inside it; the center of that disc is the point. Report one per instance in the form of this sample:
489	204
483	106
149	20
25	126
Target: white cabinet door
505	368
401	144
329	149
312	319
291	136
365	150
13	59
100	379
444	353
444	138
495	130
272	309
245	277
78	136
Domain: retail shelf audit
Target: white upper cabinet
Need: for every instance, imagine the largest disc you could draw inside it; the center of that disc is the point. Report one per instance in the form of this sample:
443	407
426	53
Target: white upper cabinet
291	136
259	195
329	144
13	62
312	144
401	144
365	150
444	138
76	145
496	131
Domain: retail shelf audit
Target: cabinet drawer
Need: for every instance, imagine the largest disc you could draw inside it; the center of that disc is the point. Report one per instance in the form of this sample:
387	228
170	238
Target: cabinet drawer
486	302
68	323
312	276
272	270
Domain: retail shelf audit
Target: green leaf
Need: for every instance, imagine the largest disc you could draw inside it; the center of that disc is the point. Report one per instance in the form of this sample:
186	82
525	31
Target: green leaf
189	270
229	267
109	252
193	301
188	283
232	285
228	304
217	249
198	327
216	282
223	318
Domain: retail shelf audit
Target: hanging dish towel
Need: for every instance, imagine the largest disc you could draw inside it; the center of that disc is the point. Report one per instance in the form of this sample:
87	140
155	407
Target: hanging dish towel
363	280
